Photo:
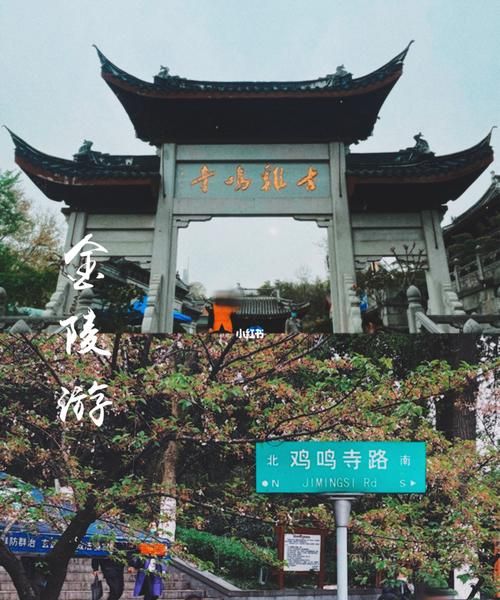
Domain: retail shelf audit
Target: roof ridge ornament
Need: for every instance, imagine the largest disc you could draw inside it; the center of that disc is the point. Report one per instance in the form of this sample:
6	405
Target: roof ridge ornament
84	151
85	154
164	72
165	79
420	151
340	77
421	145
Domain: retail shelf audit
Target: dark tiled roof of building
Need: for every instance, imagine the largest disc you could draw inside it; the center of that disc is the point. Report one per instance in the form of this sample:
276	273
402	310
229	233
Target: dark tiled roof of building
473	218
340	83
93	180
268	306
409	180
125	271
405	164
336	107
91	166
373	178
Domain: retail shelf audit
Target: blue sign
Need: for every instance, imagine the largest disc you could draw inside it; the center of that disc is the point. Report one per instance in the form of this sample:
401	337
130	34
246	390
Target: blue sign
340	467
22	542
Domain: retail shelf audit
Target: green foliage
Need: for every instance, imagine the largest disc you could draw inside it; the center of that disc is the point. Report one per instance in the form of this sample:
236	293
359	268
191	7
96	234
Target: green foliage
213	397
239	560
29	247
315	292
25	285
11	217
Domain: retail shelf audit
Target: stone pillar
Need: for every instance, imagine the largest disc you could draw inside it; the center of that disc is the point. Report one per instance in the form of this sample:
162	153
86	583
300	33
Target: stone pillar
438	274
414	306
62	299
335	284
340	246
164	255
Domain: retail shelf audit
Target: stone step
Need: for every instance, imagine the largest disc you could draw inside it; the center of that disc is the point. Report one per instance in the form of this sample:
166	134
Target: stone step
79	595
84	593
174	577
84	580
79	577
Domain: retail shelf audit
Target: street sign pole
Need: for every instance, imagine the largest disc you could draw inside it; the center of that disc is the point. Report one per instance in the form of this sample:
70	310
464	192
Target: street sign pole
341	470
342	514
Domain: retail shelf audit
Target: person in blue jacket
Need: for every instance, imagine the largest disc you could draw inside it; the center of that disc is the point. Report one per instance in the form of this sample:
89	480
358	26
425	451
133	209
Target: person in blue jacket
149	581
151	571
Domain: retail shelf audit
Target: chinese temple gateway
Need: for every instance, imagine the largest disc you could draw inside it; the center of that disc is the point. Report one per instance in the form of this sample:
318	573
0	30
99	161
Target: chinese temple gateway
259	149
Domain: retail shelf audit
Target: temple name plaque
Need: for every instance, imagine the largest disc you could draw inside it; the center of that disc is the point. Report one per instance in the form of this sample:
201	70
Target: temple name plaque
280	179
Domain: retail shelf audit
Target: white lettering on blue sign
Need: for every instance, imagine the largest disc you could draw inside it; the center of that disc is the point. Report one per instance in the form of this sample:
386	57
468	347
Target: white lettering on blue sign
326	458
377	459
300	458
352	459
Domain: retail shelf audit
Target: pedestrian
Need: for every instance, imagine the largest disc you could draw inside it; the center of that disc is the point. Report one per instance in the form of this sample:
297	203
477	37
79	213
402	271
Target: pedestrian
293	324
150	573
396	590
150	568
112	571
389	593
404	588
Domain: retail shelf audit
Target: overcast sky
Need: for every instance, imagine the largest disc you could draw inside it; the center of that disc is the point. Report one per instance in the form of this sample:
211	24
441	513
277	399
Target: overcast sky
52	94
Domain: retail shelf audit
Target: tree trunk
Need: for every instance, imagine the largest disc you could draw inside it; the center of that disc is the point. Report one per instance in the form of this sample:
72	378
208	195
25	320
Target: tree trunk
168	506
14	567
188	362
456	412
58	558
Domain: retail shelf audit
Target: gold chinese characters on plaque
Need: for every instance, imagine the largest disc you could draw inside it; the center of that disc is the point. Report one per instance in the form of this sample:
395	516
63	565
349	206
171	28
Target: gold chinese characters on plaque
272	178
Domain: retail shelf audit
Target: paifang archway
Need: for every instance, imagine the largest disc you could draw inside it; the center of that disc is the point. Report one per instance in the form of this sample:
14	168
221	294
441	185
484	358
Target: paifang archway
259	149
248	181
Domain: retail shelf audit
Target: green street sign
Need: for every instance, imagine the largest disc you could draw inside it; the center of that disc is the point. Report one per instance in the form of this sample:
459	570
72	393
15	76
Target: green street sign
340	467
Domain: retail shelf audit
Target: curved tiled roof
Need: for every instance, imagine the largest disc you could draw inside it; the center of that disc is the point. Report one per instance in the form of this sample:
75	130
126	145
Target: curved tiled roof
328	85
408	180
472	218
402	164
337	107
268	306
93	180
373	178
96	165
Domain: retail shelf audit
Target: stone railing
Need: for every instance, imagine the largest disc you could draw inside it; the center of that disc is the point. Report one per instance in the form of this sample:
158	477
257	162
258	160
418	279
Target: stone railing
484	269
454	321
47	320
23	323
216	587
452	304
